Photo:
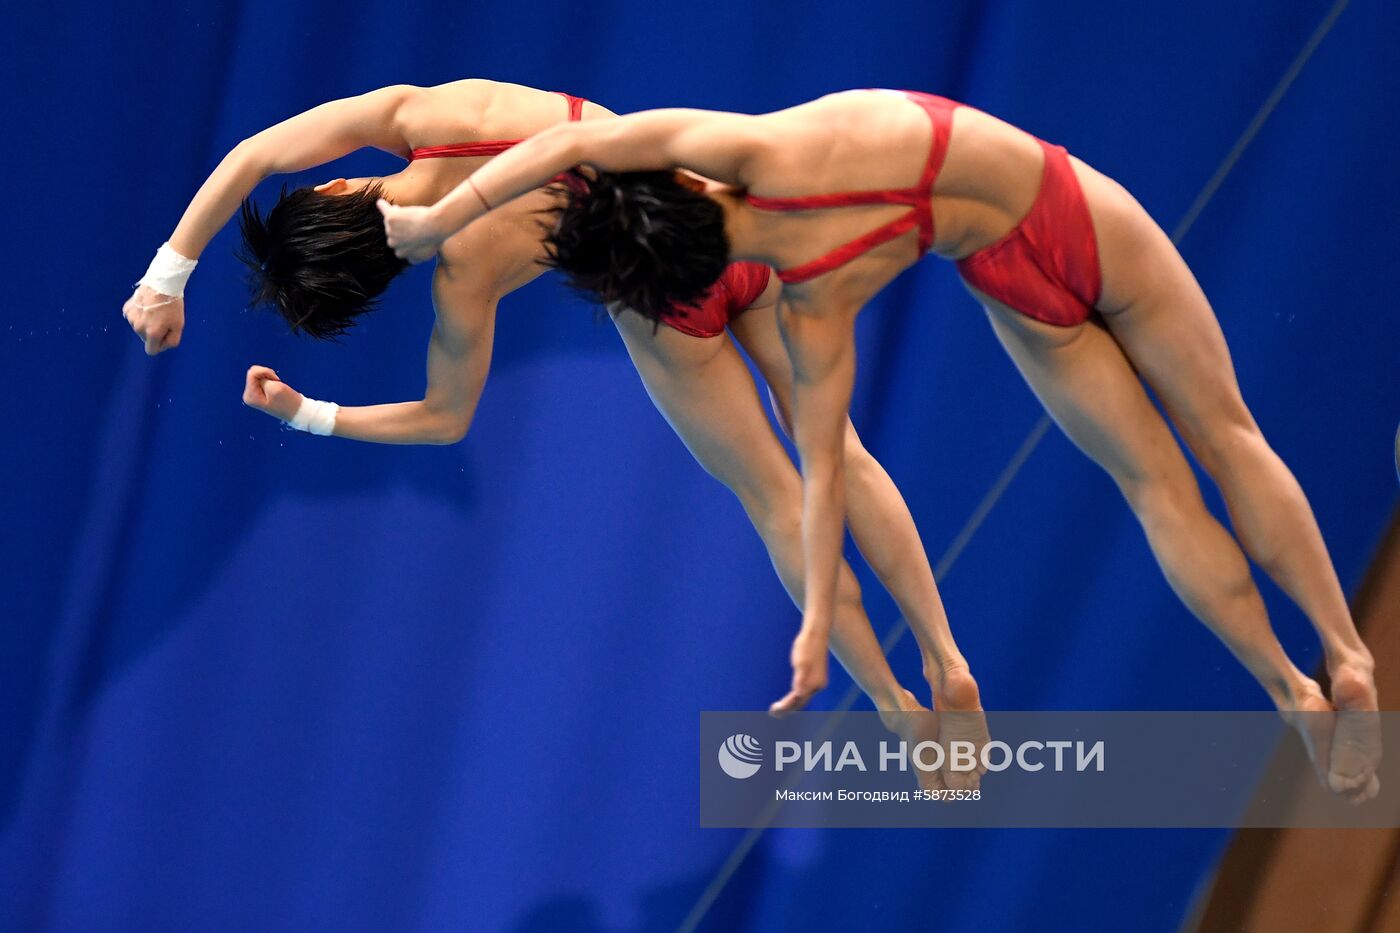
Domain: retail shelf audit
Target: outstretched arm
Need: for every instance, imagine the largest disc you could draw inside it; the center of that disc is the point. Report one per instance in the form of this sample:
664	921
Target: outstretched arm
321	134
722	146
459	358
821	346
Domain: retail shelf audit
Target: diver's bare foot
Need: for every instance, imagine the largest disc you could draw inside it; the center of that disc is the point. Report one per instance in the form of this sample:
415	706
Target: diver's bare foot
914	723
1319	727
1313	717
1356	742
961	719
809	674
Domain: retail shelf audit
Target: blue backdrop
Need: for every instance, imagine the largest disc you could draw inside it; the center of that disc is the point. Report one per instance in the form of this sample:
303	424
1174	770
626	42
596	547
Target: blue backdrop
253	680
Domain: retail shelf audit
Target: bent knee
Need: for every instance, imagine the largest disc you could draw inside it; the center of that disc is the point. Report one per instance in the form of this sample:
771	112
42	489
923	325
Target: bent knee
1161	501
1228	439
858	461
777	521
848	592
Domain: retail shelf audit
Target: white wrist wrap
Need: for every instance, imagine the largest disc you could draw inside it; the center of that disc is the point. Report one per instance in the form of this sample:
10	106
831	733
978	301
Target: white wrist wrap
315	417
168	272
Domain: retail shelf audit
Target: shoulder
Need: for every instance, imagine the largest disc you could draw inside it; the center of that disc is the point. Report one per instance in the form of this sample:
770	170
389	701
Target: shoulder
466	100
395	96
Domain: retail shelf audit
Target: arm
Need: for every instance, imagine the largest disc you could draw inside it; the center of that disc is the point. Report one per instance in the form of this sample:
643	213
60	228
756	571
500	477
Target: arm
459	358
722	146
319	135
821	346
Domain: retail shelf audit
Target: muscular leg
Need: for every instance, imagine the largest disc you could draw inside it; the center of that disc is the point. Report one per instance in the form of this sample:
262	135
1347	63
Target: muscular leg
705	392
885	532
1171	336
881	525
1089	386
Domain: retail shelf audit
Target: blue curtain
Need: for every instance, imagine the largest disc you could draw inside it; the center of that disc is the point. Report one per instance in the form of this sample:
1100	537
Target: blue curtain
253	680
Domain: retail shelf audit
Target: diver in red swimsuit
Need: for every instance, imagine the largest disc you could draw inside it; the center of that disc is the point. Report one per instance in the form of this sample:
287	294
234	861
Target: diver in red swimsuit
1046	266
320	259
1085	291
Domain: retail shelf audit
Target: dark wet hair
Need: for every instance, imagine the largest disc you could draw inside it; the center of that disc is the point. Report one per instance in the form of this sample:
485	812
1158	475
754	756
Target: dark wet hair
642	240
320	259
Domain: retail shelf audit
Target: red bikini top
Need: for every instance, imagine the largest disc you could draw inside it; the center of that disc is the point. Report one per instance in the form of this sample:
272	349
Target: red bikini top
920	214
490	147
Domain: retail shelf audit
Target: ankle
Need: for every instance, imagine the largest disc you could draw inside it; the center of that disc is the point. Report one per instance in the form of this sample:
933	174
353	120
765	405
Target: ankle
1356	661
894	699
1352	686
894	710
952	683
1292	690
936	668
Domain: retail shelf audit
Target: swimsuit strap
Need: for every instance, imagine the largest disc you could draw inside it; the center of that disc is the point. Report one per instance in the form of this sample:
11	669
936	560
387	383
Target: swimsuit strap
575	105
918	199
491	147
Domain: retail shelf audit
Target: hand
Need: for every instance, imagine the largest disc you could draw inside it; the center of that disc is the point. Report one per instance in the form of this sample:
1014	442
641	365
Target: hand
413	232
157	319
265	392
809	671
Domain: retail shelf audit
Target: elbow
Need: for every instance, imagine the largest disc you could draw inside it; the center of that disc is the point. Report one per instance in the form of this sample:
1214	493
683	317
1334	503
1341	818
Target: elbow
250	155
441	424
249	147
450	431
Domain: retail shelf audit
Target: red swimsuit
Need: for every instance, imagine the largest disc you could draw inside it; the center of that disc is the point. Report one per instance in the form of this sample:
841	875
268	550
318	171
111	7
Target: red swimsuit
1047	267
737	288
490	147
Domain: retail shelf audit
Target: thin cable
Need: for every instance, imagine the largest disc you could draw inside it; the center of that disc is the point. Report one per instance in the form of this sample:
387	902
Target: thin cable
1255	125
891	639
984	508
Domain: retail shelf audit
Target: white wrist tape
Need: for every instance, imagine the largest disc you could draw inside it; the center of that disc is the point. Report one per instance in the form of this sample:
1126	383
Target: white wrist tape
168	272
315	417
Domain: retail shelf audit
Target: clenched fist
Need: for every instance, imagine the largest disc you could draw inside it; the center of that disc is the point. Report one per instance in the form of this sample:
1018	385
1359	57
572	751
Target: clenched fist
412	232
265	392
157	319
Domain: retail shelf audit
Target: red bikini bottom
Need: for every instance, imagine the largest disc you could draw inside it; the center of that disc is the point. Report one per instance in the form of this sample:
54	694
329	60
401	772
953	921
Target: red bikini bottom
1047	267
738	287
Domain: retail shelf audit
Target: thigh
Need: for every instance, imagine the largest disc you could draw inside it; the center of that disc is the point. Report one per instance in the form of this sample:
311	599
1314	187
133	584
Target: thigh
703	389
757	332
1171	335
1159	315
1089	387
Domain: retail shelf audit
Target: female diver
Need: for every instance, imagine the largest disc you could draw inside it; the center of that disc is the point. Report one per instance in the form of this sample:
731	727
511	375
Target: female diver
1084	290
320	258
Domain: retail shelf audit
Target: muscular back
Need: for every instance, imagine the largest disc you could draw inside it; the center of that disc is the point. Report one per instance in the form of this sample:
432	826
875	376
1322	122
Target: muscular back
477	109
480	265
859	140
